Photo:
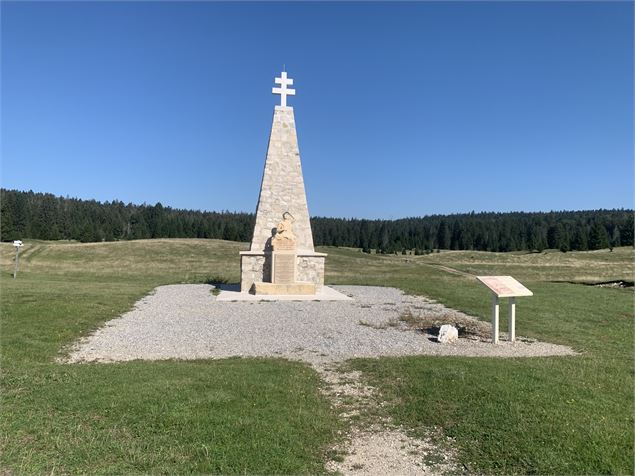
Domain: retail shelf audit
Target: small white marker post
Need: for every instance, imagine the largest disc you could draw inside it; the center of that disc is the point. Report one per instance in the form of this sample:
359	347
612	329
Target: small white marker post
504	286
512	318
283	81
18	245
495	318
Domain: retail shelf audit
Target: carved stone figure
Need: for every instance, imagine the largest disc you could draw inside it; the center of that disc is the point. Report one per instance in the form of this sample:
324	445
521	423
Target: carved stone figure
284	239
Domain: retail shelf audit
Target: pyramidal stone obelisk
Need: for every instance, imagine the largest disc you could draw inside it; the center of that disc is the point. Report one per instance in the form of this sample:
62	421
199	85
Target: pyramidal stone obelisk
281	259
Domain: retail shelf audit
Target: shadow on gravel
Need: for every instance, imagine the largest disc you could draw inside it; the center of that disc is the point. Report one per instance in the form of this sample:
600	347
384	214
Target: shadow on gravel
222	284
228	287
468	327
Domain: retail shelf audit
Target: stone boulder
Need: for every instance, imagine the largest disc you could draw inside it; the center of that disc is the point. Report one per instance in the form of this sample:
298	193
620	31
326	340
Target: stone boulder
448	334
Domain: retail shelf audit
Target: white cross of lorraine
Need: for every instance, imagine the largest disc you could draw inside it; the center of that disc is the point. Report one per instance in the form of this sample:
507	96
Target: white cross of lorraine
283	81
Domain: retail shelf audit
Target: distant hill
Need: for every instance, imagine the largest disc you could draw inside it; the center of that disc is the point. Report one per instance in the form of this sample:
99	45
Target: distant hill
31	215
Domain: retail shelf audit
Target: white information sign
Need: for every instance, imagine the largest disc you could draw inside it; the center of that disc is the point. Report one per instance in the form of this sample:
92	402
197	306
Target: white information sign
504	287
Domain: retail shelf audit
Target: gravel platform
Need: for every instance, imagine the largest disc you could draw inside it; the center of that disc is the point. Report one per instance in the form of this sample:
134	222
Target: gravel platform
185	321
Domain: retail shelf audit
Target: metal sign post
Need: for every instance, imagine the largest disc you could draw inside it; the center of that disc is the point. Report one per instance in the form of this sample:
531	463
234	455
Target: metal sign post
18	245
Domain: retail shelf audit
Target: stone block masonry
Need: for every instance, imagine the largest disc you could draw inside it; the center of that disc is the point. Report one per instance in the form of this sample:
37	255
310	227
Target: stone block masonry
256	268
282	188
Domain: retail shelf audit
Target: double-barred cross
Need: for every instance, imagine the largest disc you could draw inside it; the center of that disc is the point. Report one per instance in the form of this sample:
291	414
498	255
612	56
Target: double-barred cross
283	81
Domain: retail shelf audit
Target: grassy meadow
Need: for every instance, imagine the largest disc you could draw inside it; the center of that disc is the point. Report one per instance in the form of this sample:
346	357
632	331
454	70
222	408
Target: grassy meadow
560	415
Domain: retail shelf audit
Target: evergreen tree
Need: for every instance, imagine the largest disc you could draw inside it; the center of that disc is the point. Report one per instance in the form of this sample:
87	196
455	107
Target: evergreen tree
364	235
615	238
627	232
86	233
598	237
552	237
7	229
443	236
384	238
579	242
562	239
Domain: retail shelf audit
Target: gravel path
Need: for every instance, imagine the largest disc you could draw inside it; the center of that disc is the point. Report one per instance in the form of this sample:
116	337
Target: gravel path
185	322
378	450
379	446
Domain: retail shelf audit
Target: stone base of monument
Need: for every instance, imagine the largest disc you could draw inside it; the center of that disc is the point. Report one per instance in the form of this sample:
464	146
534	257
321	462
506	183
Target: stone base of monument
324	293
290	288
255	267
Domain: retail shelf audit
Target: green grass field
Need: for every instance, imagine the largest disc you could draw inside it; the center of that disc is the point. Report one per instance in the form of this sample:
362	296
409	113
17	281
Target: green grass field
564	415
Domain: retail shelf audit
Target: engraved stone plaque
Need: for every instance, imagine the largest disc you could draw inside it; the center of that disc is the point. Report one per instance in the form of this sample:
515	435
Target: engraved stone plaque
283	268
283	245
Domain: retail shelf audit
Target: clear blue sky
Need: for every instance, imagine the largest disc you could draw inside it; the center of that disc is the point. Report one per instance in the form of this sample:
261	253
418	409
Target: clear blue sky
402	109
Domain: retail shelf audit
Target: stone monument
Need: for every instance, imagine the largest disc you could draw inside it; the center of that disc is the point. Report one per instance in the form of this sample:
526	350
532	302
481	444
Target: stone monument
281	259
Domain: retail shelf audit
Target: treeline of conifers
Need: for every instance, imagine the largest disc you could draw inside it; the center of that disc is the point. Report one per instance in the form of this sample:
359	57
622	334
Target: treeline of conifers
31	215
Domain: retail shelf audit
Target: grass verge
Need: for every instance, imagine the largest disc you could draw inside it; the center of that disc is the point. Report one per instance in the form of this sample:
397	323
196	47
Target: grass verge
565	415
235	416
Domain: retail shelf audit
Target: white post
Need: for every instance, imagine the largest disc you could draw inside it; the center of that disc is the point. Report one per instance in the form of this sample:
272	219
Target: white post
512	319
17	258
495	312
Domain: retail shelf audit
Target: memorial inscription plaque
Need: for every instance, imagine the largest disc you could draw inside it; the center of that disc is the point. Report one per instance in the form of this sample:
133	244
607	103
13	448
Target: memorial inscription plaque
283	267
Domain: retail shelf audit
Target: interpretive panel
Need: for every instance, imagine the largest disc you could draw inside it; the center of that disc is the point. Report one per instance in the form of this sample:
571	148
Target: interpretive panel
504	286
